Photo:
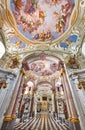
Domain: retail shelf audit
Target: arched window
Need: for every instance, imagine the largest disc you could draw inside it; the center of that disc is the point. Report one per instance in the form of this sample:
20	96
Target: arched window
83	48
2	49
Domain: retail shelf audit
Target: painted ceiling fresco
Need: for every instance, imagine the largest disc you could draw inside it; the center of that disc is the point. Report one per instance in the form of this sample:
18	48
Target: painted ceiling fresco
42	20
44	68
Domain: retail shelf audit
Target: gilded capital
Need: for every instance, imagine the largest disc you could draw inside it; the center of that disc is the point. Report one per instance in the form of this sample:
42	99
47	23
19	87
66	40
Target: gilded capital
7	118
13	116
75	120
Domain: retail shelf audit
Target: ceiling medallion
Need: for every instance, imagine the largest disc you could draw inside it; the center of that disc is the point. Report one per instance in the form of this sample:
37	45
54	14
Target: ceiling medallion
41	24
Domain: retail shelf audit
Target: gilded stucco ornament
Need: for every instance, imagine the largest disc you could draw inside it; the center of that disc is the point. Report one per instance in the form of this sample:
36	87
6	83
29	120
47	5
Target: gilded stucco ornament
13	63
3	83
72	62
81	84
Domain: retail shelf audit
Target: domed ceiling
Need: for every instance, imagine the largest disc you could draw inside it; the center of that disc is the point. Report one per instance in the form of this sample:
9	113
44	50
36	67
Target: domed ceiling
30	25
42	20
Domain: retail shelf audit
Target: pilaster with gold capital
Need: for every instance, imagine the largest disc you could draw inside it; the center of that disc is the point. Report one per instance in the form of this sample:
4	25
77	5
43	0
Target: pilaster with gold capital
74	116
8	114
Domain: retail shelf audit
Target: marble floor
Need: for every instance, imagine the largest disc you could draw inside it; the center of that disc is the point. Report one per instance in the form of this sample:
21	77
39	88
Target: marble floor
42	121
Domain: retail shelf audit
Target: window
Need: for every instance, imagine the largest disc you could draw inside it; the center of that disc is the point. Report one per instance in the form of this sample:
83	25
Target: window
83	48
2	49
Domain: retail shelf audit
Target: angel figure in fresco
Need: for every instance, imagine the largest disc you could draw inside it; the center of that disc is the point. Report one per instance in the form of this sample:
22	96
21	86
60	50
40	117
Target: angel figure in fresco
53	67
56	14
44	36
35	2
46	72
33	65
66	10
59	27
30	6
41	14
18	4
55	1
67	7
52	2
63	21
41	65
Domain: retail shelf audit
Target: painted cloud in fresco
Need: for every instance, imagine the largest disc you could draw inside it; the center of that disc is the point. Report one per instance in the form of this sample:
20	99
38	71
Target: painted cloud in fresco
42	20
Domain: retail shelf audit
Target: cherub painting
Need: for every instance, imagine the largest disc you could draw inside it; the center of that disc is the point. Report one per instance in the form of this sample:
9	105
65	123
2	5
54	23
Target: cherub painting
42	23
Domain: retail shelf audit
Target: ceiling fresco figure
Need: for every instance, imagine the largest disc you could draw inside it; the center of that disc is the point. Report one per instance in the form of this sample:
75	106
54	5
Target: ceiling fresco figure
18	4
42	23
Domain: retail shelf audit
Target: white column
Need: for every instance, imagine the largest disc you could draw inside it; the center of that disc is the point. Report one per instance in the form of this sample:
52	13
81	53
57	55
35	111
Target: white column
70	99
35	108
78	103
53	102
35	105
8	114
66	98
